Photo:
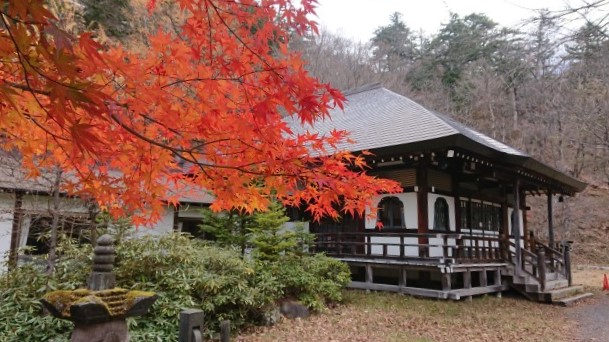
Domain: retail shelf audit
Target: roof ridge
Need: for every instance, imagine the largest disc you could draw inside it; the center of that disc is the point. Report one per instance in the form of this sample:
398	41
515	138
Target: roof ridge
361	89
430	111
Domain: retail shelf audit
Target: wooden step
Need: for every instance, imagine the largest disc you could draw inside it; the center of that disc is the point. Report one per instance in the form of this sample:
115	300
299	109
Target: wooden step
564	292
556	284
551	296
572	300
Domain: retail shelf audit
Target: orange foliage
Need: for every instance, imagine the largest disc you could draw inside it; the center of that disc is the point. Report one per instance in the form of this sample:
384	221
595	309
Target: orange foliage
212	96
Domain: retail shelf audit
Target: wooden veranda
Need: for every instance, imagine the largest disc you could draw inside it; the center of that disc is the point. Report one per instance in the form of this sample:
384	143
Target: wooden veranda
447	265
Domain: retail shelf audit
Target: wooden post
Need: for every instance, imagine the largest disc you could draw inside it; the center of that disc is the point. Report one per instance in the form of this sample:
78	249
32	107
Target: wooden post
176	217
225	331
402	247
369	275
567	260
541	267
191	326
422	207
525	223
550	221
384	250
505	241
483	278
446	284
368	245
516	227
467	282
498	280
403	277
16	230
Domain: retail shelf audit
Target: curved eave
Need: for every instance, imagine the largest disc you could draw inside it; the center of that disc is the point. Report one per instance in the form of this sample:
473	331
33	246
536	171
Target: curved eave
562	182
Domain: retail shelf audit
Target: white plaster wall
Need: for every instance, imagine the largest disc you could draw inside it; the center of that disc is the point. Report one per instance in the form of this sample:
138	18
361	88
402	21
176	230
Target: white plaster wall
42	203
163	226
7	203
289	226
436	249
410	209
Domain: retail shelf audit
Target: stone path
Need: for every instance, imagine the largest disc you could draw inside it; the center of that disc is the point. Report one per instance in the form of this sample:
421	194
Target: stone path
591	318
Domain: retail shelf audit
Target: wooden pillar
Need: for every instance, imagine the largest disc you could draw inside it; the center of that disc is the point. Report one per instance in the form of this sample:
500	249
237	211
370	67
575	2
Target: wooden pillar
516	227
458	253
528	244
422	206
567	262
92	211
369	275
498	281
483	278
541	268
467	283
16	230
446	283
505	231
176	215
550	221
403	277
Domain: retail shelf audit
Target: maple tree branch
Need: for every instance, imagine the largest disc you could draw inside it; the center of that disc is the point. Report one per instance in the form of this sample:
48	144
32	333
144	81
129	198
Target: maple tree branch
27	88
22	21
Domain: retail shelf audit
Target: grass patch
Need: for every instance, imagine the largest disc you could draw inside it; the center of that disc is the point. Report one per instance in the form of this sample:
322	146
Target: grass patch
390	317
591	279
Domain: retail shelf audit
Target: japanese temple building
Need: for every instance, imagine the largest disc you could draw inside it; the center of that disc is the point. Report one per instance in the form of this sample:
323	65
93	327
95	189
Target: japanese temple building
458	228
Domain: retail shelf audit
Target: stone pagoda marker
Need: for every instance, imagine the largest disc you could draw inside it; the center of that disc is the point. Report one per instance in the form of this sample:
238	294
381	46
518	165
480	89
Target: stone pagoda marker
99	311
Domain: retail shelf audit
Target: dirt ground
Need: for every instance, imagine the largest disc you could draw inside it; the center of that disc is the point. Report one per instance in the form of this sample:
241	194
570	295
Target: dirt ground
396	318
591	317
385	317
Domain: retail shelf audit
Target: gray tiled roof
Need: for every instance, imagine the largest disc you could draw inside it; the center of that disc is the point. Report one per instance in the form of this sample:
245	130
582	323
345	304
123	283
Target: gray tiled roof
379	118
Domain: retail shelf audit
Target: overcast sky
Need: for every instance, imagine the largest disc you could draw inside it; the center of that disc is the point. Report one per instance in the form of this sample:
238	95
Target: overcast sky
357	19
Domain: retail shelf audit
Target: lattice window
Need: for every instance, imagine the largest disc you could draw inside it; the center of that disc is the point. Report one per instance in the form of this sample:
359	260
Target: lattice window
441	218
391	212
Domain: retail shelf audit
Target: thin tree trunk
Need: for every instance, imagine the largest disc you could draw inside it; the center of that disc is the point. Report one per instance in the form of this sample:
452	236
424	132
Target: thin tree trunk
54	223
514	109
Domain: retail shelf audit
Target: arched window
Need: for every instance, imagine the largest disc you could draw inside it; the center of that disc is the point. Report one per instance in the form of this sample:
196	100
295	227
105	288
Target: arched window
391	212
441	220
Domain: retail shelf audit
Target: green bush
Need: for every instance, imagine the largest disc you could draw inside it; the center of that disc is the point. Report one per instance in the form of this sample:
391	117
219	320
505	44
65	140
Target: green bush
315	280
21	315
185	273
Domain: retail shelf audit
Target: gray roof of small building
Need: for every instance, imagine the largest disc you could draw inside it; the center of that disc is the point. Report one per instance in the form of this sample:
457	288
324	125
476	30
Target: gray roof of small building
378	118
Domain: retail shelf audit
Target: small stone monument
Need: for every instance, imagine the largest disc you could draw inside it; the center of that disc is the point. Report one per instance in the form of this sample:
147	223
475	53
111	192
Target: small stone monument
99	311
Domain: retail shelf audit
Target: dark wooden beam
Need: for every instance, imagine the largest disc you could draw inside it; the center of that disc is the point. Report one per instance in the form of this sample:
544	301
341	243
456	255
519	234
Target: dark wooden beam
525	226
516	226
550	220
422	205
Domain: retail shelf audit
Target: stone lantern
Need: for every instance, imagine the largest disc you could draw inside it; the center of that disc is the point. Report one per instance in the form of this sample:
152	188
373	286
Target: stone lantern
99	311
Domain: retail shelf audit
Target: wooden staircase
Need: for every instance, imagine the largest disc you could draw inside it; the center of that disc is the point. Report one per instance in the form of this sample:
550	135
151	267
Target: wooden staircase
544	276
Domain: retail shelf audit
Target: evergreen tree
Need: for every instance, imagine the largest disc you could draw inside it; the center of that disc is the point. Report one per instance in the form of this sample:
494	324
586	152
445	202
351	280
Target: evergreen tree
393	46
228	228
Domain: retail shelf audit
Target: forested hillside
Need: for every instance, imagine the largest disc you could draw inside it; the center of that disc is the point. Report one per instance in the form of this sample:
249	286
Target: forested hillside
541	87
